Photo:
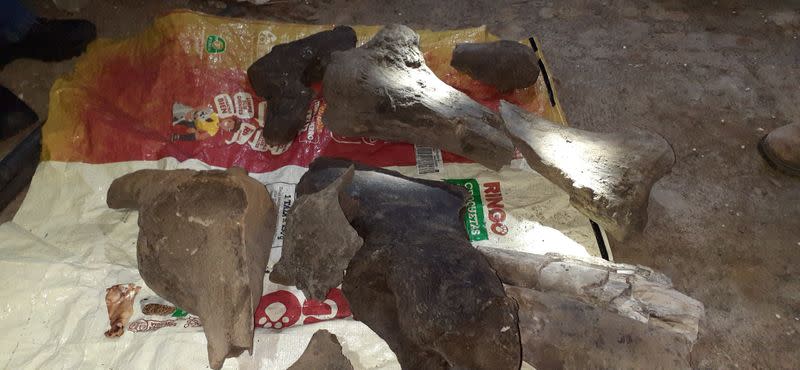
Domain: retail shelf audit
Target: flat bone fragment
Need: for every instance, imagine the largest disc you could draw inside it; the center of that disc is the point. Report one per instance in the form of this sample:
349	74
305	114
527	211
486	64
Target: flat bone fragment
559	332
119	303
608	176
204	241
384	90
323	353
284	77
504	64
319	241
634	292
417	281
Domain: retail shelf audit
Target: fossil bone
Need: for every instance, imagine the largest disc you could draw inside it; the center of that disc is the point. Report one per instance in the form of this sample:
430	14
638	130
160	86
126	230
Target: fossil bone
417	281
608	176
383	89
204	241
322	353
284	76
504	64
319	241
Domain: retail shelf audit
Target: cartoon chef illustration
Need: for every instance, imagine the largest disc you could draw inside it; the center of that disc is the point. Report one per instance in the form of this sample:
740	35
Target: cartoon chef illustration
201	123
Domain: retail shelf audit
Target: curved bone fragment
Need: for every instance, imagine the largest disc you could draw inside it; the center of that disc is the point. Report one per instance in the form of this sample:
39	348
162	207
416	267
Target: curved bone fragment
322	353
119	303
559	332
608	176
319	241
417	281
383	89
284	76
635	292
204	241
504	64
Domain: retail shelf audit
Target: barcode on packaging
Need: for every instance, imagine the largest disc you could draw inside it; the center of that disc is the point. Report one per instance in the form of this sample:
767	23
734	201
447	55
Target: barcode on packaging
429	160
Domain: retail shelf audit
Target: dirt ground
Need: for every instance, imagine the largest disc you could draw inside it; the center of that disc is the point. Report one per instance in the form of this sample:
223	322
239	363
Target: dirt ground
710	76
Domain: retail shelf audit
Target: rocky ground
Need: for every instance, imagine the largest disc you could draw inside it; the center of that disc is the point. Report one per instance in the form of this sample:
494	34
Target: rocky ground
712	77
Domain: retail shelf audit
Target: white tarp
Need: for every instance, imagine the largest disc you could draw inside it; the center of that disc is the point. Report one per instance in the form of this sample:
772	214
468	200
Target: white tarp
65	247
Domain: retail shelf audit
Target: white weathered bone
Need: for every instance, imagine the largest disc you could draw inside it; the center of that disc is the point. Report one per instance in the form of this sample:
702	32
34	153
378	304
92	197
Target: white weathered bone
608	176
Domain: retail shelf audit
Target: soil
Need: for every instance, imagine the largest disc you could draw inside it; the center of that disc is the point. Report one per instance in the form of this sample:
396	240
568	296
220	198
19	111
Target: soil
712	77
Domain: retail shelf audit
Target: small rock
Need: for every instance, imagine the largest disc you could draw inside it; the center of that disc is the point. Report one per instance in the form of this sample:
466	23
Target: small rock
777	316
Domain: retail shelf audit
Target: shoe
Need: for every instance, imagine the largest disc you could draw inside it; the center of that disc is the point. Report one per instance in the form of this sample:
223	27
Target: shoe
52	40
15	115
781	149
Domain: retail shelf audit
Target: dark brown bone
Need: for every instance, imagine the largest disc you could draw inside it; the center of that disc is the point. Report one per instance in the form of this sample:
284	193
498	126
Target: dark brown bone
608	176
319	241
322	353
504	64
384	90
417	281
284	76
204	241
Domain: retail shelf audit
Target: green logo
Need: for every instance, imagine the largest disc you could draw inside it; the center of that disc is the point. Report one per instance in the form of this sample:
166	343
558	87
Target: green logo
215	44
179	313
473	218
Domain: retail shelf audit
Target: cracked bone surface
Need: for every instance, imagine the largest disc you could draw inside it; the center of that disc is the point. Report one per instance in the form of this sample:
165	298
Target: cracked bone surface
322	353
284	76
559	332
384	90
204	241
635	292
417	281
316	222
608	176
586	312
504	64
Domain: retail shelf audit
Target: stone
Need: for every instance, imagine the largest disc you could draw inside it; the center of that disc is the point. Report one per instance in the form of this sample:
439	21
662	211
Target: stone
323	353
781	149
504	64
608	176
384	90
319	241
417	281
204	241
284	77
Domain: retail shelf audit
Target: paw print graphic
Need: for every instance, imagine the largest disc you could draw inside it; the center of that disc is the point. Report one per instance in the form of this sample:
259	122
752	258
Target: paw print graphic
278	310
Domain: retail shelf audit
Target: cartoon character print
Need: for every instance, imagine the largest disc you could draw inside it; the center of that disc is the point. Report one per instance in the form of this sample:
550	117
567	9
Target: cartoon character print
200	123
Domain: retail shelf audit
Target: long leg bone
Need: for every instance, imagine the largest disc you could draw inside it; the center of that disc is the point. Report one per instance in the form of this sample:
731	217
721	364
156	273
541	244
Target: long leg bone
383	89
608	176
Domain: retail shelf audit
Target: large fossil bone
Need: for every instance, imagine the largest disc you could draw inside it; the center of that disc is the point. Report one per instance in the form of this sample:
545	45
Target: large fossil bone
204	241
417	281
608	176
284	76
590	313
504	64
383	89
319	241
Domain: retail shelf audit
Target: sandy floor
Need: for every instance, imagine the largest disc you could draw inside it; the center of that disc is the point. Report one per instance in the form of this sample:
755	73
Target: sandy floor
711	77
